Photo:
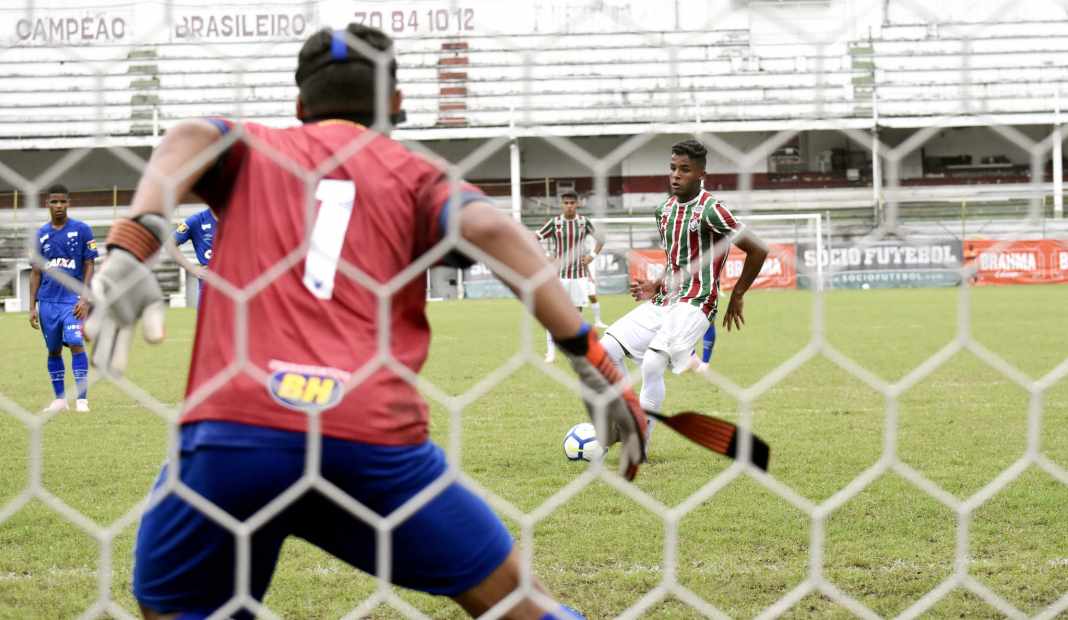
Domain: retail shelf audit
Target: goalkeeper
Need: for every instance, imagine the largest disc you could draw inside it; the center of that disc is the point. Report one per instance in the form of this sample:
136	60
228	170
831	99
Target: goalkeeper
379	210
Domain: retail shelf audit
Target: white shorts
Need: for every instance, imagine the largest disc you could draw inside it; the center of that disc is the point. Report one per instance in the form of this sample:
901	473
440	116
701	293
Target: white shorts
576	289
673	329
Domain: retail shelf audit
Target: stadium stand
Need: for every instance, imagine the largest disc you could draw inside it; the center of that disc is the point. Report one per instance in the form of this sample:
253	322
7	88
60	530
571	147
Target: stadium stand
475	86
485	81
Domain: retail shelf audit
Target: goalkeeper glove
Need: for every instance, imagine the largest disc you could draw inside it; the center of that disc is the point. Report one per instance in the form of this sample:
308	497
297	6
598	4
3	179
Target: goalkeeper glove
624	419
125	289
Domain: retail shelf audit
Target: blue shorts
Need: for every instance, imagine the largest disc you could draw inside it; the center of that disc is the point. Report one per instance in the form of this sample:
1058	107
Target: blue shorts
59	325
184	561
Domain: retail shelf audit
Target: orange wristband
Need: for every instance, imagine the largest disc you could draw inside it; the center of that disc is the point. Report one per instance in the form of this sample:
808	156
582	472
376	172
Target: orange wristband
134	238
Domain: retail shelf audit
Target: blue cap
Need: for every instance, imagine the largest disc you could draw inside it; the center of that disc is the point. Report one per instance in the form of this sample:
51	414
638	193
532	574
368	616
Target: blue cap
339	49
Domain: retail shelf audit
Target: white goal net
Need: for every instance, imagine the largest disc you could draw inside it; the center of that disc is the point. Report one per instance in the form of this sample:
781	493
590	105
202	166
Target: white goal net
875	145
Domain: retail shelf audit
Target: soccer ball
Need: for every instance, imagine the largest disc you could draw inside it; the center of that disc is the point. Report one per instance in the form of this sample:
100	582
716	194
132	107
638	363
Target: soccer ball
580	443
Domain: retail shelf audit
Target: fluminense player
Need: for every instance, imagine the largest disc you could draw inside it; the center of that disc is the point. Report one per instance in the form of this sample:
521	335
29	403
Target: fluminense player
708	341
67	247
199	228
377	210
567	233
696	231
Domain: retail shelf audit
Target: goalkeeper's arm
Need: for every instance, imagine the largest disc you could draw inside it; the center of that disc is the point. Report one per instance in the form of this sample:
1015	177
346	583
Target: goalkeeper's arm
125	288
183	144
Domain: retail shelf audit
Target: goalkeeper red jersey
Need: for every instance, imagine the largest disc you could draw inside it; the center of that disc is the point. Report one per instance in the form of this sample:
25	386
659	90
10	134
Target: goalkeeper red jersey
302	335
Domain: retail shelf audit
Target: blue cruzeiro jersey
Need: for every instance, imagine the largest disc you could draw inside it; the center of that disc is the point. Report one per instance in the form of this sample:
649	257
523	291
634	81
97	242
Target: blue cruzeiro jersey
66	250
200	228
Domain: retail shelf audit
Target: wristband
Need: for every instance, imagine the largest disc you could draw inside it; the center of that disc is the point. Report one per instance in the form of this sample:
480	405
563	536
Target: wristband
141	237
578	344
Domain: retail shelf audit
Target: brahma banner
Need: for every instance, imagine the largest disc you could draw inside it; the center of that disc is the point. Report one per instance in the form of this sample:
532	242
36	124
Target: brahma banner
779	270
1029	261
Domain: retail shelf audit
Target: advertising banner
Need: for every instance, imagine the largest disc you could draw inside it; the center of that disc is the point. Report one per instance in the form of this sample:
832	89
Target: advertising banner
779	270
886	264
1030	261
610	270
480	283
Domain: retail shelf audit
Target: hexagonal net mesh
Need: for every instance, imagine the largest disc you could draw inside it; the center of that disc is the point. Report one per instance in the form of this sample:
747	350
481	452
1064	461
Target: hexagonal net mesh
818	117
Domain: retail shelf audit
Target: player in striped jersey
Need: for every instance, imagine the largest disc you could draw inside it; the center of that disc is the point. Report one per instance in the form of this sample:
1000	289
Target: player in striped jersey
567	233
696	231
700	364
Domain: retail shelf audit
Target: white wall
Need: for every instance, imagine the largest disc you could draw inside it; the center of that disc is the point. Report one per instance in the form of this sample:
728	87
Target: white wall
653	157
539	157
773	25
971	11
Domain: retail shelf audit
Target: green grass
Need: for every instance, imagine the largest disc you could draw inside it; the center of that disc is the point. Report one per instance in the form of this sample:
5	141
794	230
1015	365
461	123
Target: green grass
741	550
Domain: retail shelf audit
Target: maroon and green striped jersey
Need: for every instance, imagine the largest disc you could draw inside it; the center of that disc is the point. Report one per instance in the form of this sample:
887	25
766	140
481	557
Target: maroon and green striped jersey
569	243
695	235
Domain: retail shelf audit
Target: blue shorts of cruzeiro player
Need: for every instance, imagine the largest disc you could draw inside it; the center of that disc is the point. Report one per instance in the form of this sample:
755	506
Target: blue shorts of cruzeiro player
59	325
184	561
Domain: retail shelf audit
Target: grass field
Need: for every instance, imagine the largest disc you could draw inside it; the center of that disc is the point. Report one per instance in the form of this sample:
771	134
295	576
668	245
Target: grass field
741	550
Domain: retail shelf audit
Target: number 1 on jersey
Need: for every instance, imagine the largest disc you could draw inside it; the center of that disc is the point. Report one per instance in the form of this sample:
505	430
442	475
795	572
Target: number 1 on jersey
335	198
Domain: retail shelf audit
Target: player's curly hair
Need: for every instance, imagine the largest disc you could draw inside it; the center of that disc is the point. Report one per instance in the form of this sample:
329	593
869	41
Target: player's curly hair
58	188
336	78
692	149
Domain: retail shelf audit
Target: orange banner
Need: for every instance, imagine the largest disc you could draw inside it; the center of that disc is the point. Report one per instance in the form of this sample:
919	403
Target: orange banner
1030	261
779	270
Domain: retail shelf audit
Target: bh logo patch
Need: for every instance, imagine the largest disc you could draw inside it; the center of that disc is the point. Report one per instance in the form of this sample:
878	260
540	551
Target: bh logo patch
305	388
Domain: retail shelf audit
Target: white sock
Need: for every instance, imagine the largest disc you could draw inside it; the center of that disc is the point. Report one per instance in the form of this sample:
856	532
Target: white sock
548	343
653	390
654	364
596	312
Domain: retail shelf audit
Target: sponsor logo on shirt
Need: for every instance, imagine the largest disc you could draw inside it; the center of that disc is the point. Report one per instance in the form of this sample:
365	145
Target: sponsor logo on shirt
206	226
64	263
305	388
72	233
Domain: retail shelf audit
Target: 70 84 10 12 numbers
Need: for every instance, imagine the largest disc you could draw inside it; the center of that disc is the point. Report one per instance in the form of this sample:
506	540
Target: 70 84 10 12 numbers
415	22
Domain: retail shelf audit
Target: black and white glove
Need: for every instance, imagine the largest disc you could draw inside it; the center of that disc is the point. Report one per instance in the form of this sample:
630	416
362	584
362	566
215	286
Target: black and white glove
125	290
623	418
